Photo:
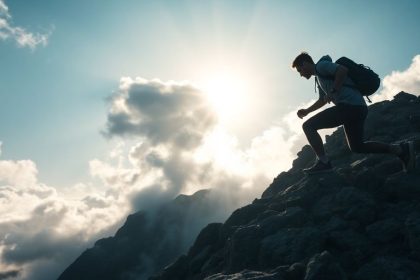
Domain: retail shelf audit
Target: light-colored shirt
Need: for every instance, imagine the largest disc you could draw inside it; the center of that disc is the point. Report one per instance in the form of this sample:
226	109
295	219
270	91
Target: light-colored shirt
348	94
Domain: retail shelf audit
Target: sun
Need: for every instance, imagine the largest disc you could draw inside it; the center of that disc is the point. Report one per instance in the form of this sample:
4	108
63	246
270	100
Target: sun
228	93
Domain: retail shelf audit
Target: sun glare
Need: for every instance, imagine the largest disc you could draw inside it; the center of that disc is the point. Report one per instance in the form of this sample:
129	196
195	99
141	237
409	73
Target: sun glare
228	93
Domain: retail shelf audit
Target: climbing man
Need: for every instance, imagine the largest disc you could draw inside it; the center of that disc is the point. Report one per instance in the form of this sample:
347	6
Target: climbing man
350	110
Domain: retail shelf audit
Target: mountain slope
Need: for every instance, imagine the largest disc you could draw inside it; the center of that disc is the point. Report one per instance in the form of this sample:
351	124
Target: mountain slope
148	240
361	221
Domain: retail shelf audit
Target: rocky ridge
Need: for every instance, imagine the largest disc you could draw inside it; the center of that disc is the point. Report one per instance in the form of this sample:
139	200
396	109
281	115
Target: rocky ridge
361	221
148	240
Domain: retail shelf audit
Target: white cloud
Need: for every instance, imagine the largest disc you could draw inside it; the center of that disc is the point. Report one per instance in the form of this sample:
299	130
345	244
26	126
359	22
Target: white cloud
407	80
4	10
22	37
41	228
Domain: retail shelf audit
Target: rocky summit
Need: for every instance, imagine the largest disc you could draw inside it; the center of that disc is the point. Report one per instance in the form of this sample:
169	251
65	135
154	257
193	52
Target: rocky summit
360	221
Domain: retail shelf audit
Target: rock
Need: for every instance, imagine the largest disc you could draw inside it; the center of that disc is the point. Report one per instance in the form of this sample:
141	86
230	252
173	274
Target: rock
306	158
291	217
385	230
290	245
348	239
412	229
389	268
349	203
244	215
243	248
402	186
280	183
309	190
245	275
295	272
209	236
335	224
324	267
176	271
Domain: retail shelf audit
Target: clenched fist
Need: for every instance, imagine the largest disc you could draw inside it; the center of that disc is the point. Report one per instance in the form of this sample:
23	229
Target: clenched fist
302	113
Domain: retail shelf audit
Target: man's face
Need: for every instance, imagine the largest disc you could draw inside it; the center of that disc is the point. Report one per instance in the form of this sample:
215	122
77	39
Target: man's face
304	70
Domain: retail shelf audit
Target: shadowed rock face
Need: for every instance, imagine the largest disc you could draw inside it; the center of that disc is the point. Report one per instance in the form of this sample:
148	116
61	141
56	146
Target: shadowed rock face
361	221
147	241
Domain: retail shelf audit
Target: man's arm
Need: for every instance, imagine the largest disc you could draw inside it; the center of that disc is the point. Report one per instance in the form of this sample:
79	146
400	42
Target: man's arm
340	77
318	104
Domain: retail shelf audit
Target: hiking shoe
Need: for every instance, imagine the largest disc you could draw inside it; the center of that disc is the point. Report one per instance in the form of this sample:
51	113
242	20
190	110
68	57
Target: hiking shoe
319	167
408	156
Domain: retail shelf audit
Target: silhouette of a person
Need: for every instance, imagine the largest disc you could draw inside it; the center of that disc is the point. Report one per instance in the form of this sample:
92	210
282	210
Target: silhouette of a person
350	110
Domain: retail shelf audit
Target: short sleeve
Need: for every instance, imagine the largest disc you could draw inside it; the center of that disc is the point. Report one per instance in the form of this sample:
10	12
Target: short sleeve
326	68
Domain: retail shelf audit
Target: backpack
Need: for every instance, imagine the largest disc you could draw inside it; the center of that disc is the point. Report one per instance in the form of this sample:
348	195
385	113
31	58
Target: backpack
365	79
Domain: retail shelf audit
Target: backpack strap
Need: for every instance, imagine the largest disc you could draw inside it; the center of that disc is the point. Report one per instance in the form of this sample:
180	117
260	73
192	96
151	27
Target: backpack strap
332	78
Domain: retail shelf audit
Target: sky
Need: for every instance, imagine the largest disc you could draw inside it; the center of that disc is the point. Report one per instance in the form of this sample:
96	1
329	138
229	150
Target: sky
102	102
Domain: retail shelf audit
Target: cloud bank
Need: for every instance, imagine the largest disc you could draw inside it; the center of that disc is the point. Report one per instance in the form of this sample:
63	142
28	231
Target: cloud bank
42	231
407	80
21	36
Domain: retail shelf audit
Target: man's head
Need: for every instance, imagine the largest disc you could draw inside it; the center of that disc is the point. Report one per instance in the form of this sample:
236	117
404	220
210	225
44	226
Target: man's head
304	65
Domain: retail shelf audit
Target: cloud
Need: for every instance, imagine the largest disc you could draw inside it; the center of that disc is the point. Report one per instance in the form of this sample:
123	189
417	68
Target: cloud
4	10
407	80
169	113
43	230
22	37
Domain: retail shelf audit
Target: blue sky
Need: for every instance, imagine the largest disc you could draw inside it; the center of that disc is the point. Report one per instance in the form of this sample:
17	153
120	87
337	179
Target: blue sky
108	107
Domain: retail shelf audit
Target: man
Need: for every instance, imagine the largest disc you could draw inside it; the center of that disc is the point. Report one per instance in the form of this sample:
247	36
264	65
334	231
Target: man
350	110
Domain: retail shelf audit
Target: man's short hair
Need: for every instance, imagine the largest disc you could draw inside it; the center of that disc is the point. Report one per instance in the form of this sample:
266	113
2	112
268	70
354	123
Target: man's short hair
304	56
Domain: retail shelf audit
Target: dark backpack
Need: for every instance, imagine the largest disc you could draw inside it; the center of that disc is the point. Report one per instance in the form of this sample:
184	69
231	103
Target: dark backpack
365	79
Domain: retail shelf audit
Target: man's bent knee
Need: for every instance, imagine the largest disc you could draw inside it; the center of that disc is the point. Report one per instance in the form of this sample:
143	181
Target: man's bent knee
307	126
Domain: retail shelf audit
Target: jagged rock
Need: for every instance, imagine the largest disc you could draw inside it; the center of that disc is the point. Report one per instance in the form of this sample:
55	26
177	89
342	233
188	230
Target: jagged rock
243	248
389	268
324	267
295	272
350	203
402	187
245	275
304	158
385	230
412	225
291	217
290	245
284	180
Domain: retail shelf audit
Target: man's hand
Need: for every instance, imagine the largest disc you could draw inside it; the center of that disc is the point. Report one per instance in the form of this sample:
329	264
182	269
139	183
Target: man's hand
302	113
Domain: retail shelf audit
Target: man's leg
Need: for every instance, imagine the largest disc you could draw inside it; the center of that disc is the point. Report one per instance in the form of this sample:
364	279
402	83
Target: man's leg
354	135
329	118
354	129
